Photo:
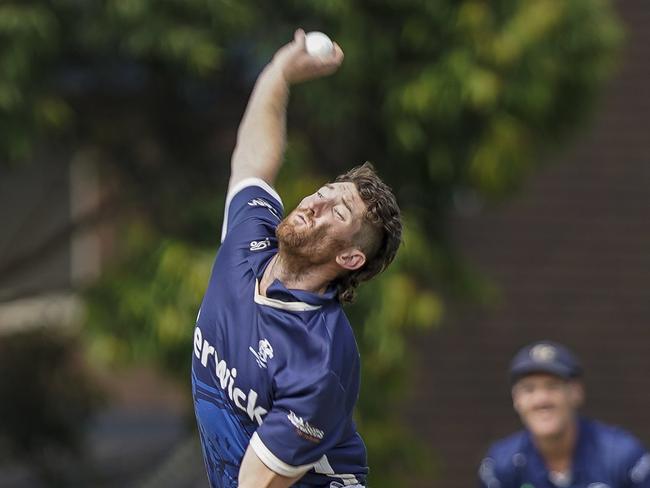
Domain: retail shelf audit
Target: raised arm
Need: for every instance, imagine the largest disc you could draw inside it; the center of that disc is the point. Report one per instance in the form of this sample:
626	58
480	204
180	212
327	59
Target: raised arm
261	136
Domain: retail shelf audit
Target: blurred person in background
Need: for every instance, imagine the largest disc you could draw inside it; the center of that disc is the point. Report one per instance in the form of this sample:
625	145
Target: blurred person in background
275	366
559	448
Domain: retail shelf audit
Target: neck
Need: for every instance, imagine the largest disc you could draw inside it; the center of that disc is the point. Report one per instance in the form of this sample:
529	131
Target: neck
296	274
557	451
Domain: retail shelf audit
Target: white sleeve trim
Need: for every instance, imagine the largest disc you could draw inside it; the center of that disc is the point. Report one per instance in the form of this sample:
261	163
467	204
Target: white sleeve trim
245	183
273	462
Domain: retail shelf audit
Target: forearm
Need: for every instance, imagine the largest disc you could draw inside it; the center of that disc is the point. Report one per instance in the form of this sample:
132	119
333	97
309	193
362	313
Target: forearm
261	138
253	473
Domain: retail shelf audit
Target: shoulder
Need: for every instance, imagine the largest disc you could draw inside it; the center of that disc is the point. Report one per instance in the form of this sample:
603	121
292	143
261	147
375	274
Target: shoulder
315	336
619	446
331	353
619	440
505	449
345	360
253	185
337	332
251	199
502	459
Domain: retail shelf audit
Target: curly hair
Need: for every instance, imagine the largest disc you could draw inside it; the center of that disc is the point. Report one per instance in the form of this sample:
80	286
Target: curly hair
380	234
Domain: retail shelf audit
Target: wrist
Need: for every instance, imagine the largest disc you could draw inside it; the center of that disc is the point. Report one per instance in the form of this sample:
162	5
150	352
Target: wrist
275	71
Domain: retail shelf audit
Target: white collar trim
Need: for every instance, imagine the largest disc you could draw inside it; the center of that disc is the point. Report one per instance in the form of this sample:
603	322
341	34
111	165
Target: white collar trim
290	306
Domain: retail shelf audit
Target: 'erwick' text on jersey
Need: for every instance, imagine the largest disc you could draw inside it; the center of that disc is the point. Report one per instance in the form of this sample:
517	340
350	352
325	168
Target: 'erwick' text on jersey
247	403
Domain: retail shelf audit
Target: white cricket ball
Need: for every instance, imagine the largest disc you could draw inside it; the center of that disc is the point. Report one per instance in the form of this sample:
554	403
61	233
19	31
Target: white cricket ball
319	45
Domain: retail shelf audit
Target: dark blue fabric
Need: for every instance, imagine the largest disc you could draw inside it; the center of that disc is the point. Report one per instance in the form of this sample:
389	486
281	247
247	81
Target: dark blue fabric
605	457
545	357
290	376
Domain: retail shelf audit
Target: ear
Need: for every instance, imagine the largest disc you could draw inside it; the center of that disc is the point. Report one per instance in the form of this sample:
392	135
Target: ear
351	259
577	393
515	403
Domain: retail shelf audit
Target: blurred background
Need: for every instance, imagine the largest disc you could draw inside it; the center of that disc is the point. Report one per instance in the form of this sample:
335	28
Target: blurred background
513	131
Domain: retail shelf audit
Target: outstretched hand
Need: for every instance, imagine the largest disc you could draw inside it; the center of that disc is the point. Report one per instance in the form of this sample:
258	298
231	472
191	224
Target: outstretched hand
297	65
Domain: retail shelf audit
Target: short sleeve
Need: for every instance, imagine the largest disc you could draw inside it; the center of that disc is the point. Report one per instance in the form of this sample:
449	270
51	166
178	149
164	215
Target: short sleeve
308	418
251	198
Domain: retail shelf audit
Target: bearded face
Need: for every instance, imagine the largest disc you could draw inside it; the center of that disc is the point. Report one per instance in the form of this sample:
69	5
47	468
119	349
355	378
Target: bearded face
305	241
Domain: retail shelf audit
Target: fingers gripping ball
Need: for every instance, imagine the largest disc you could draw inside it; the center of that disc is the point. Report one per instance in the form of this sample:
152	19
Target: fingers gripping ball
319	45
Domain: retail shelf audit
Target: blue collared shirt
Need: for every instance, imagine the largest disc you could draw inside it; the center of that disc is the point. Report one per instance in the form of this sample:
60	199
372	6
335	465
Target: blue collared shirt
278	371
604	457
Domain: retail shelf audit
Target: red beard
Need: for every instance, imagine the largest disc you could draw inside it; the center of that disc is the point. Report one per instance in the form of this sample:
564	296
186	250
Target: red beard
308	245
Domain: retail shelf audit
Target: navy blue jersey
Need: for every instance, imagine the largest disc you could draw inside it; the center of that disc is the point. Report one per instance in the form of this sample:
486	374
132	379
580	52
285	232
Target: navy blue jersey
280	371
605	457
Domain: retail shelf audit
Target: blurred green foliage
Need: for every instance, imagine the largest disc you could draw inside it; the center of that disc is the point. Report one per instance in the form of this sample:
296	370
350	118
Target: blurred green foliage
446	97
144	313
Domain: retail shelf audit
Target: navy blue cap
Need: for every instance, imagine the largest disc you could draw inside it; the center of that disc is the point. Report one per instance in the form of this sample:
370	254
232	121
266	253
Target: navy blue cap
545	357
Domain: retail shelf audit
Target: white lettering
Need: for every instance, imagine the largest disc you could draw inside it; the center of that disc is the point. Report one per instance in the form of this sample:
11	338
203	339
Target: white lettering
252	399
223	373
255	413
304	426
198	339
207	350
260	202
237	396
233	375
202	350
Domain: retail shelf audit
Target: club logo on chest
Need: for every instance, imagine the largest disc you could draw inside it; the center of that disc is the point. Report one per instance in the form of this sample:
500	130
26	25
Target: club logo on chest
263	354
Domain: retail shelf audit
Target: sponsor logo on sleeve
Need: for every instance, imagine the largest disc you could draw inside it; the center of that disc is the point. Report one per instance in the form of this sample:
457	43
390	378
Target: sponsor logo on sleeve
260	245
263	354
305	430
260	202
